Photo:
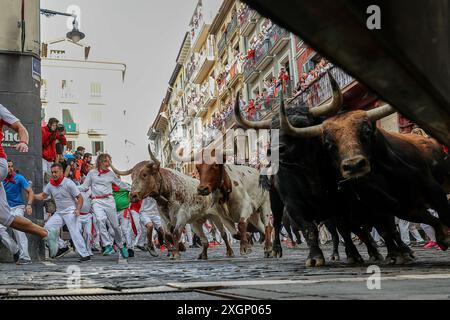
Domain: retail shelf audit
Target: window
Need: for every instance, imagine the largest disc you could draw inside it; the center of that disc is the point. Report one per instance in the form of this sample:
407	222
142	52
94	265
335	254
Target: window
67	89
308	66
67	116
97	147
96	89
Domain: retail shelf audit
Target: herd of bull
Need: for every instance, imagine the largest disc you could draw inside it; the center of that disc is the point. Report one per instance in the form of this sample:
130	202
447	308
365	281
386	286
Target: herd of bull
333	166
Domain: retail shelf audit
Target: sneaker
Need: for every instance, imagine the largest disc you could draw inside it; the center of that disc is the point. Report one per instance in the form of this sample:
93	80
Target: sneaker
151	250
16	256
24	261
124	252
95	249
84	259
131	253
108	251
430	244
51	240
62	252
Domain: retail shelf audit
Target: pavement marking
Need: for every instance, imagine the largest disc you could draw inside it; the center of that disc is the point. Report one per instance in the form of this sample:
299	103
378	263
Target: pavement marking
191	285
48	263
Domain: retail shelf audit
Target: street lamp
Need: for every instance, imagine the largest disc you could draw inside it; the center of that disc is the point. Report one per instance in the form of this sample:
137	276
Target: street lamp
75	35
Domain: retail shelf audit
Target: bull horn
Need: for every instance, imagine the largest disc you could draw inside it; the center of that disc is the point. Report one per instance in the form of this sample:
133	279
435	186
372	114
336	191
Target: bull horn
121	173
152	156
380	112
308	132
332	107
265	124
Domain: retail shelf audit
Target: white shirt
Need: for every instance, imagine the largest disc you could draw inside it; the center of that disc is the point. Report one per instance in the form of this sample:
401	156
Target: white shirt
7	118
86	208
101	184
149	206
64	194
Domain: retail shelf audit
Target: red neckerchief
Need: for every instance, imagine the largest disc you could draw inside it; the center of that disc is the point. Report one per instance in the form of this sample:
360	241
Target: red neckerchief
56	182
100	172
115	187
10	178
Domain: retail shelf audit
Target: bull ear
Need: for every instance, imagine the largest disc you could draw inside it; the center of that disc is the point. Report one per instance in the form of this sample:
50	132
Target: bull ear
153	166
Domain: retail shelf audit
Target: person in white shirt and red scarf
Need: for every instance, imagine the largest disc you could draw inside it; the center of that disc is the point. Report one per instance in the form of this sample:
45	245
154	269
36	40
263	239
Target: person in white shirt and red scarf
100	181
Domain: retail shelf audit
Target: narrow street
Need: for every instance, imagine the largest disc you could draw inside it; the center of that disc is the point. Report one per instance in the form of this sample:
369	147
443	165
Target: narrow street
246	277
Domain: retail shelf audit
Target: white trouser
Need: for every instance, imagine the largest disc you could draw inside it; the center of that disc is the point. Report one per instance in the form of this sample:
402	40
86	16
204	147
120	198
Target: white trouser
105	210
57	221
375	235
148	218
7	241
131	227
21	237
85	223
96	236
189	238
6	218
405	227
429	229
142	238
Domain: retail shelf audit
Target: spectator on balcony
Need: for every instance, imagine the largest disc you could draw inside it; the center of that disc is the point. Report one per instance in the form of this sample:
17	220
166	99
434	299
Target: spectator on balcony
283	80
251	110
51	133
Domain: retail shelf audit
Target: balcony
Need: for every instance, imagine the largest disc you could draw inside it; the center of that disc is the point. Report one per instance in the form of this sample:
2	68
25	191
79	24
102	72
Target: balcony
208	91
97	132
247	22
320	90
222	86
232	27
249	71
279	37
262	56
199	33
201	112
222	44
71	128
235	74
204	66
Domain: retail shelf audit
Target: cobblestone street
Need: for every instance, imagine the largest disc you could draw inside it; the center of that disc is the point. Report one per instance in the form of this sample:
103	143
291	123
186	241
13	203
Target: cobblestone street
246	277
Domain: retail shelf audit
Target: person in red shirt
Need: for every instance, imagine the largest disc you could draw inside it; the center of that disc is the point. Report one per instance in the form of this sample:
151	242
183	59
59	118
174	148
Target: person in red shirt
50	135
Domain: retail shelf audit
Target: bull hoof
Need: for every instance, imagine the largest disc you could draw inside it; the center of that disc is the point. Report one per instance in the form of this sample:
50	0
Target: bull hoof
245	251
182	247
230	254
203	256
175	256
376	258
315	262
268	253
394	259
335	257
356	260
277	251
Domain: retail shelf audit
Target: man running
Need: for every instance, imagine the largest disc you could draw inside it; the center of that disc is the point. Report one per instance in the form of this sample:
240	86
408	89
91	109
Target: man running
6	218
68	202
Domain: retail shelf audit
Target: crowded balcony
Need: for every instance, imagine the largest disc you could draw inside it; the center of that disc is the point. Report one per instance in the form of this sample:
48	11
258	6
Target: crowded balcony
262	56
315	89
235	73
279	37
247	19
249	71
205	63
198	30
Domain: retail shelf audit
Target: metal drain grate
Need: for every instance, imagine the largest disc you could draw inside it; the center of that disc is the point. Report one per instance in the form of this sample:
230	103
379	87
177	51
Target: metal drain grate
190	295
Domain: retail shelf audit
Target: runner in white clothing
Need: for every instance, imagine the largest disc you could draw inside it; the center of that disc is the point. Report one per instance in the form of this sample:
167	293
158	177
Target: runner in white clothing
86	221
100	181
6	218
150	217
68	202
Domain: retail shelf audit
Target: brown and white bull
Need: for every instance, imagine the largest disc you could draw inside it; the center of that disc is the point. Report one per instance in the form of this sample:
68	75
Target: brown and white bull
178	202
240	199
